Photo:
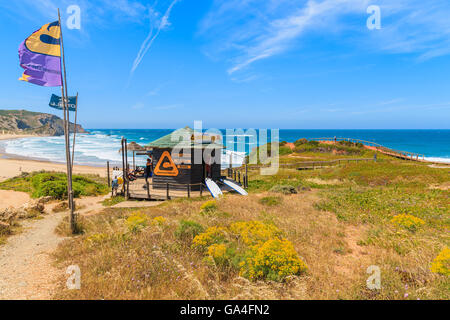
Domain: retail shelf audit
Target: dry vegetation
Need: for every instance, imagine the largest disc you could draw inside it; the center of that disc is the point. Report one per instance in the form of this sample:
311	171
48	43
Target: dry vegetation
340	221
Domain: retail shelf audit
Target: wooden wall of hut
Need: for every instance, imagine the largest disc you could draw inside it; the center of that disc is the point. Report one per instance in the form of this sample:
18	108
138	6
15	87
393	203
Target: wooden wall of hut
187	171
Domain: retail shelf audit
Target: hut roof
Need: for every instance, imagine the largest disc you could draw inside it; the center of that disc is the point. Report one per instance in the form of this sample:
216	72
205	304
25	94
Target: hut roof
186	137
133	146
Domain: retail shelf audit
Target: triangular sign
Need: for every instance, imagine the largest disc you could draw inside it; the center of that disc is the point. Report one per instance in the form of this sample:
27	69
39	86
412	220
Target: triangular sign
166	166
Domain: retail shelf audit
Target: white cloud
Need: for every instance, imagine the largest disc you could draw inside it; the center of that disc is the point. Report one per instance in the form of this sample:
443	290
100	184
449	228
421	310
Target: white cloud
161	23
253	30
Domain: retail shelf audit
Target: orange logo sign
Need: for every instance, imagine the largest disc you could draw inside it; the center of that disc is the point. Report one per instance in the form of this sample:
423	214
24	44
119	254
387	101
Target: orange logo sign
166	166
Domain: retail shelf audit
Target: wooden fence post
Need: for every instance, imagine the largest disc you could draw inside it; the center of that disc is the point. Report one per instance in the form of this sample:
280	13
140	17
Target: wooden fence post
148	190
246	175
107	172
201	189
189	190
167	191
123	169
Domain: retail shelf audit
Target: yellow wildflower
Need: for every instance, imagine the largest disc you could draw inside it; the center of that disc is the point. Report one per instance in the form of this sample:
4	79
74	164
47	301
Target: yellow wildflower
217	250
408	221
158	221
136	221
210	236
254	232
441	264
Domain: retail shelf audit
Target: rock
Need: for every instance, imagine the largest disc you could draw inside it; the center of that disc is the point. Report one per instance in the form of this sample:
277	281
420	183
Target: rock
4	227
284	189
62	206
33	206
44	200
8	215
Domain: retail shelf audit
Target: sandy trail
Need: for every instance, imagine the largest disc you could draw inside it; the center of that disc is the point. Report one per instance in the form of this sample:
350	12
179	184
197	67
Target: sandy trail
26	267
12	199
26	270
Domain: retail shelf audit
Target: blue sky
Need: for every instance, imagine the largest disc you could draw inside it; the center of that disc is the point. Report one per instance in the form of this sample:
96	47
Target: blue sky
242	63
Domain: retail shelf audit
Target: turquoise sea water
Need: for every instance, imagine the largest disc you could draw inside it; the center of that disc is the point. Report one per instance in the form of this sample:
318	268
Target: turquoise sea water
102	145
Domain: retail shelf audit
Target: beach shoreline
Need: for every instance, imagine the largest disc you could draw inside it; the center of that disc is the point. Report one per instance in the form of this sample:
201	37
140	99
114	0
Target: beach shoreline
13	165
16	136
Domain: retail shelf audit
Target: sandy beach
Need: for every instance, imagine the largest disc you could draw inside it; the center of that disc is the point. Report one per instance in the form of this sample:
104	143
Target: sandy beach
14	136
11	166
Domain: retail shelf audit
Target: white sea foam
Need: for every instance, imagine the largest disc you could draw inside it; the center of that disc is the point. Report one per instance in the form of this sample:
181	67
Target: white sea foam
90	149
436	159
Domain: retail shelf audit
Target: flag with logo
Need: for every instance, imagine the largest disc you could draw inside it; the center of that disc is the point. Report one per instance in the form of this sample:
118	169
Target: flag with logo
57	103
40	56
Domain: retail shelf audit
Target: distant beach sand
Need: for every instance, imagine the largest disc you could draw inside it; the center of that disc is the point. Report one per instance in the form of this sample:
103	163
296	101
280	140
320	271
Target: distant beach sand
14	166
15	136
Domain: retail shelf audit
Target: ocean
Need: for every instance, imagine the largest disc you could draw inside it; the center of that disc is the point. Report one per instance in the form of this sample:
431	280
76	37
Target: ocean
103	145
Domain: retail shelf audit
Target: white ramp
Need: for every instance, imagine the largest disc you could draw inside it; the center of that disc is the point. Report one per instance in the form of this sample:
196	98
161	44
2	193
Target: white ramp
213	188
235	187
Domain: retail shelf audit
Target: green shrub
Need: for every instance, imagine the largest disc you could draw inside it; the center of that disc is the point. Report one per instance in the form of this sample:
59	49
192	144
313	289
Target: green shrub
300	141
53	184
254	248
187	230
275	260
19	183
284	189
208	207
270	201
285	150
54	189
113	201
136	222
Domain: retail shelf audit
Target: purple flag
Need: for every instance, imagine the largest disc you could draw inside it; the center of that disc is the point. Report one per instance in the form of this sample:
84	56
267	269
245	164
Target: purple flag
40	56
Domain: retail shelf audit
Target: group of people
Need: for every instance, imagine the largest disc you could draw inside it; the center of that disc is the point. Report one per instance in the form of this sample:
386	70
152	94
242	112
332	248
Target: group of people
132	175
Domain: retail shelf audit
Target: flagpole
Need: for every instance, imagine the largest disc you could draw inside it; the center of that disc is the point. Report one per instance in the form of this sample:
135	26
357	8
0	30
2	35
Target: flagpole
74	130
66	129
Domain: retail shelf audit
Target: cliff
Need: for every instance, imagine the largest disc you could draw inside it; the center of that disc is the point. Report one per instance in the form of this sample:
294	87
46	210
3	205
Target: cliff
27	122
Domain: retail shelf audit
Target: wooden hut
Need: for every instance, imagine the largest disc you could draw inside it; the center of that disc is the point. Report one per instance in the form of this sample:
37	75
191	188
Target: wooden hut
185	157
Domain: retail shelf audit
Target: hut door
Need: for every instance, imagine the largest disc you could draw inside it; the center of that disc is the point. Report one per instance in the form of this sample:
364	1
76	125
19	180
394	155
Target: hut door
204	176
206	171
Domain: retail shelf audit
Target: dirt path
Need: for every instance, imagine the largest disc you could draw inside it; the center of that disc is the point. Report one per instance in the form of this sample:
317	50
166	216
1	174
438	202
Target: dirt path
12	199
26	267
26	270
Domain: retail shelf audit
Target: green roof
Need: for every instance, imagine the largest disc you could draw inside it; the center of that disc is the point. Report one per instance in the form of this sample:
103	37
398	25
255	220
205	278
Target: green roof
182	138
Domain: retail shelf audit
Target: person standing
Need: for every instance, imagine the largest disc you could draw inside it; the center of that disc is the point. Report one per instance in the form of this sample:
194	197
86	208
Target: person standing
148	169
114	186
